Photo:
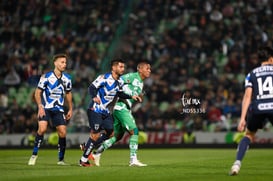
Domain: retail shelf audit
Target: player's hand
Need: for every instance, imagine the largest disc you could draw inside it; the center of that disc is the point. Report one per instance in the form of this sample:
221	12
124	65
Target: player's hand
68	115
241	125
96	100
41	111
137	98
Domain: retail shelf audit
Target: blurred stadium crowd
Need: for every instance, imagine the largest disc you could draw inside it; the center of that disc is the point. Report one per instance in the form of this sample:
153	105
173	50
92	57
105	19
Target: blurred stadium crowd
200	52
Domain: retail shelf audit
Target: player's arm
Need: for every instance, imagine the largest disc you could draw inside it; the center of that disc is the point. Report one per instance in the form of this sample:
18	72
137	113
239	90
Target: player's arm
122	95
38	99
245	104
38	93
93	93
69	102
94	87
39	90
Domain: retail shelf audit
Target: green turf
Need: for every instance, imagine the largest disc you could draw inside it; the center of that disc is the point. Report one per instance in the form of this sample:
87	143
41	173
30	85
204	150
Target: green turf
163	164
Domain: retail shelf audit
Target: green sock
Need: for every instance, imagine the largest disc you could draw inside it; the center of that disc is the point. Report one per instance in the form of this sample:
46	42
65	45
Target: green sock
108	143
133	145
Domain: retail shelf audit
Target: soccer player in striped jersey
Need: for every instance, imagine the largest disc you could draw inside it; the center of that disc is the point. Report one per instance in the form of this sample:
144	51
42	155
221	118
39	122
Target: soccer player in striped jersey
104	92
54	88
257	104
123	118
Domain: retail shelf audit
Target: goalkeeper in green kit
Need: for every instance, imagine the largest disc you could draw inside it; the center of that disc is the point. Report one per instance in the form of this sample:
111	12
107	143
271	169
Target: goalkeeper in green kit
123	118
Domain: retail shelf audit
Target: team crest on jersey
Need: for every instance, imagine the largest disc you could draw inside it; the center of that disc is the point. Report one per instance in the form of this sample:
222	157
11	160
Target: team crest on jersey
110	82
96	126
51	80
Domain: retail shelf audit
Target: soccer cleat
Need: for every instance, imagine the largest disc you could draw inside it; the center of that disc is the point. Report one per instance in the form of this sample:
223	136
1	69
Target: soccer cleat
137	163
235	168
96	159
85	164
62	162
32	160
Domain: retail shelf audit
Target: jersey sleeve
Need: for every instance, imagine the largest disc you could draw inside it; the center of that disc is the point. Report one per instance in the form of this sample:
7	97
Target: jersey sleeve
248	82
42	82
68	84
99	81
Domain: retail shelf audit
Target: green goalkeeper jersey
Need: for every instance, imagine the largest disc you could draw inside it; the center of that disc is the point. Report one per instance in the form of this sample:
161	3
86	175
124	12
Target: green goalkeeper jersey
133	85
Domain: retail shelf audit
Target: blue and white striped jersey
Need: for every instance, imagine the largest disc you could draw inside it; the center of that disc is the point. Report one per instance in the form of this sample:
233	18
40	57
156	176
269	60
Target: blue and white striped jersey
107	89
261	81
54	90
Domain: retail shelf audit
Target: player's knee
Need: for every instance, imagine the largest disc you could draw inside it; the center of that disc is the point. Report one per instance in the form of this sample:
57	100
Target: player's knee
61	131
42	128
41	131
94	136
250	135
62	134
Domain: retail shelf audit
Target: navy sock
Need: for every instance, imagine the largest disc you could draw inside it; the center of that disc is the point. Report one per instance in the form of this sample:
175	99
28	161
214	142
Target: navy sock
102	138
61	148
242	148
88	147
37	143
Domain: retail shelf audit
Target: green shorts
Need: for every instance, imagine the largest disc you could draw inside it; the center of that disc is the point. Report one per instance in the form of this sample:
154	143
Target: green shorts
123	121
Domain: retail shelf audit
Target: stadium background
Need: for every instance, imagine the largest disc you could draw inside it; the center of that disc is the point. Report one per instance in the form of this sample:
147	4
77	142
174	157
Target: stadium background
199	51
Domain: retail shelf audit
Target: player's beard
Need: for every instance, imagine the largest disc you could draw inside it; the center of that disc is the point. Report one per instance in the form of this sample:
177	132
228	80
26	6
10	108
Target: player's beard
120	73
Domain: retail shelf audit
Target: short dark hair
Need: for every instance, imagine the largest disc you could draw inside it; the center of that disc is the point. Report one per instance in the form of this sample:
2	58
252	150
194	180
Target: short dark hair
141	63
265	52
60	55
116	61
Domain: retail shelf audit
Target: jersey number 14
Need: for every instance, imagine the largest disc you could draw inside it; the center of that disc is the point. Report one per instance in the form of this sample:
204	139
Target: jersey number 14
265	86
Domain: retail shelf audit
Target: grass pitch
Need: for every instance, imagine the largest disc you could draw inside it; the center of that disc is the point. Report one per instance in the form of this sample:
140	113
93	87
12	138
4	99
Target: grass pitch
163	164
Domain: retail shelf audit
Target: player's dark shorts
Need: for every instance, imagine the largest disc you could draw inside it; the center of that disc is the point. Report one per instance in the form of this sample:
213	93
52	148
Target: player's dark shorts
98	122
57	117
258	121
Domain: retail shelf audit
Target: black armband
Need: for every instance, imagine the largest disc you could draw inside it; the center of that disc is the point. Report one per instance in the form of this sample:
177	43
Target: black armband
123	95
